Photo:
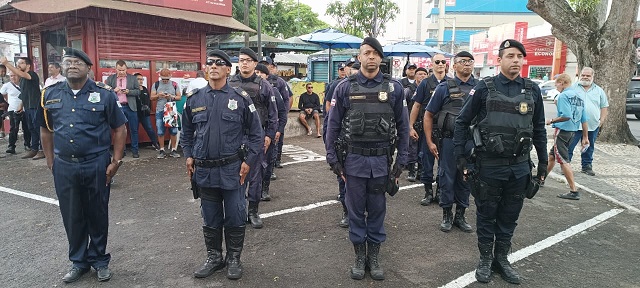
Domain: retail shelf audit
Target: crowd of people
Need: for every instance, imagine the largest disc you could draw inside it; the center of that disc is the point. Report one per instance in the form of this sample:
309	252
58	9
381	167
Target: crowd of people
478	132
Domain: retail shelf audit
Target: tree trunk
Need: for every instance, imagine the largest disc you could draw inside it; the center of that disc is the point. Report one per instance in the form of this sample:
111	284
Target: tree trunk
606	46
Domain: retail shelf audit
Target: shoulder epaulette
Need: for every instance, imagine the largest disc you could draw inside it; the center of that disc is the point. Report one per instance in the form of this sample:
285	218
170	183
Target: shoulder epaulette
192	92
103	86
242	93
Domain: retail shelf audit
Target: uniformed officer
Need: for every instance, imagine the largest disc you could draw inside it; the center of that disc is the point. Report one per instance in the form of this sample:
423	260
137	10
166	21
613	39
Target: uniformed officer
368	113
286	93
263	72
439	120
410	86
217	119
77	117
510	116
422	97
265	102
344	221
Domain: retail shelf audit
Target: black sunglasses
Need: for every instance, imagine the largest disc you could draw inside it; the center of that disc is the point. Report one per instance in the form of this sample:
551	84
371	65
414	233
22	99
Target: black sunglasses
218	62
309	87
440	62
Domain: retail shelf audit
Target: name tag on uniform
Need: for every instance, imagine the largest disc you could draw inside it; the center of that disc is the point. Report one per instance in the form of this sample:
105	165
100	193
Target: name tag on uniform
94	97
53	101
357	97
198	109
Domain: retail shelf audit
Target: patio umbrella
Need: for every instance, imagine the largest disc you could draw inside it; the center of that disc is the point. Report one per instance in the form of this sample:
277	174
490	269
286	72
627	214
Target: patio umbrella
332	39
412	48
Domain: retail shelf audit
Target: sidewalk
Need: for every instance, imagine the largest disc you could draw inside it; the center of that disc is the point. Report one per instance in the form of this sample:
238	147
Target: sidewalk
617	168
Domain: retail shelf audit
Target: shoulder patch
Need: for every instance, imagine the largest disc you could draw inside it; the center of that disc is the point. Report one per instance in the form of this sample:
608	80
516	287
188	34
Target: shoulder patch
252	108
241	92
192	92
103	86
333	102
472	92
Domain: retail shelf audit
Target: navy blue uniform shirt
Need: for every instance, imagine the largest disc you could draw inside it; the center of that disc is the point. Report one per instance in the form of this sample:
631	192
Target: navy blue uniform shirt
422	93
214	125
82	122
282	111
367	166
475	106
283	88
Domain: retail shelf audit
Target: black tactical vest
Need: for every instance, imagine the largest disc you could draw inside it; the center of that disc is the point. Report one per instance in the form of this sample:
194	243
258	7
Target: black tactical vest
370	117
445	120
253	89
507	130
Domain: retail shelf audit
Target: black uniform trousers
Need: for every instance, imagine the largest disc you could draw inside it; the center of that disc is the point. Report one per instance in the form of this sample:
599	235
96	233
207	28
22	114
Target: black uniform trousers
497	216
84	204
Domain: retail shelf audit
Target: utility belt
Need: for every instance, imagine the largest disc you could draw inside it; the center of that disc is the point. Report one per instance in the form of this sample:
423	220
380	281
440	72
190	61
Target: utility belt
240	155
368	151
81	159
485	160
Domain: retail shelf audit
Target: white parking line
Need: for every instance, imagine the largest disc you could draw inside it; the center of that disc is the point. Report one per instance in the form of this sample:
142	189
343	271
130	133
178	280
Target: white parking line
469	278
299	208
30	196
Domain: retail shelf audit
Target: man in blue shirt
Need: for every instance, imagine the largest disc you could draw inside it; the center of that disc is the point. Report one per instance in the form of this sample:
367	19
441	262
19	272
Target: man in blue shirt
571	118
439	119
217	120
596	107
76	119
363	107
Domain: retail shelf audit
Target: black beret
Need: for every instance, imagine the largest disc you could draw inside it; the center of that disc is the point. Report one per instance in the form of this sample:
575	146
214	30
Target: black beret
510	43
374	43
412	66
249	52
267	59
70	52
221	54
422	69
262	68
464	54
351	61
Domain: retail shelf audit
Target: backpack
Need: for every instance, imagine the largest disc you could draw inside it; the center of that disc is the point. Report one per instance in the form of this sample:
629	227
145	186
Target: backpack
175	86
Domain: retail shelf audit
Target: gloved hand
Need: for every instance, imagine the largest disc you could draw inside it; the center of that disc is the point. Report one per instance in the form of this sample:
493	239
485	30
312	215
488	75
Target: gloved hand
542	170
397	170
461	164
337	169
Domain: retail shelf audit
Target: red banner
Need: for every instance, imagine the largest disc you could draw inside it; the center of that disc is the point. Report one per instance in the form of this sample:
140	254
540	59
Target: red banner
218	7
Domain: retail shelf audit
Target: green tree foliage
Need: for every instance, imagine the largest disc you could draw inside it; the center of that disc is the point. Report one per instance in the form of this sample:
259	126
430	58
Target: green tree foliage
280	18
357	16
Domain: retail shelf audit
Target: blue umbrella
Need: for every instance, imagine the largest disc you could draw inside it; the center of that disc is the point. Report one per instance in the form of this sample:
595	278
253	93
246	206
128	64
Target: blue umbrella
412	48
332	39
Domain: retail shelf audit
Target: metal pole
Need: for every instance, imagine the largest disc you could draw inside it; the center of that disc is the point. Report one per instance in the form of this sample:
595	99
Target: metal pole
259	10
441	20
453	36
246	22
419	23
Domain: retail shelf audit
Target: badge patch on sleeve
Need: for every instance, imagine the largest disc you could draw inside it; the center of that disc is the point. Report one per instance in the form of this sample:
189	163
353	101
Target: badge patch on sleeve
404	102
333	102
252	108
472	91
273	98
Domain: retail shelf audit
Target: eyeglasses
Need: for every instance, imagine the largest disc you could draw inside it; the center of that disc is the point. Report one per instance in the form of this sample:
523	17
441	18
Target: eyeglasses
440	62
310	87
67	64
466	62
245	60
218	62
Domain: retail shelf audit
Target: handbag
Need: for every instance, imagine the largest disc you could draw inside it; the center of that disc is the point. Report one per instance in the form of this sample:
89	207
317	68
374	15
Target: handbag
170	115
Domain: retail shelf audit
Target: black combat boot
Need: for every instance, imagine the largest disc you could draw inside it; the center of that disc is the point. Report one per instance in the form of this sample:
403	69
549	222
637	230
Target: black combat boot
428	195
376	271
447	219
214	262
357	271
234	238
265	191
254	218
459	220
501	264
344	223
483	271
412	172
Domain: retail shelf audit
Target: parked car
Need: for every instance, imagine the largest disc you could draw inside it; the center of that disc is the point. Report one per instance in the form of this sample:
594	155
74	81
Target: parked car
551	94
545	87
633	97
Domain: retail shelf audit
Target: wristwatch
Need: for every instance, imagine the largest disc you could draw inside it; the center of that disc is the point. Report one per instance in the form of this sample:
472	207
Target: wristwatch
118	163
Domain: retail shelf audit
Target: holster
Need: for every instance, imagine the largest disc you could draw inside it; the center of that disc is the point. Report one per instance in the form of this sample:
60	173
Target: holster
195	189
482	191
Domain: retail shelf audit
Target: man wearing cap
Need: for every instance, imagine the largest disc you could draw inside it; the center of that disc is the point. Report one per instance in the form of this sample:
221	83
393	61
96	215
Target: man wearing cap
285	92
77	118
410	87
127	89
222	140
263	72
421	99
374	105
265	102
165	91
509	113
439	120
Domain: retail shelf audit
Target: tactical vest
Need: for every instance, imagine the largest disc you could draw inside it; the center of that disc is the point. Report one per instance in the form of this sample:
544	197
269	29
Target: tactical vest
253	89
370	117
507	130
445	120
433	83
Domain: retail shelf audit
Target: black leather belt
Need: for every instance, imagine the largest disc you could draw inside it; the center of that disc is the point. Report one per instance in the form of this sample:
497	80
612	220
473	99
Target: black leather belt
81	158
217	162
368	151
502	161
